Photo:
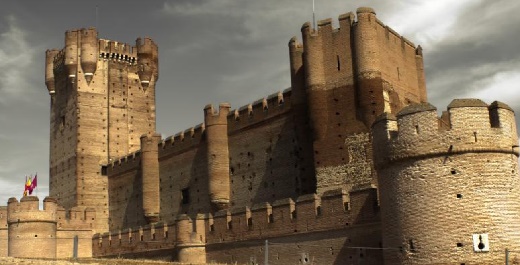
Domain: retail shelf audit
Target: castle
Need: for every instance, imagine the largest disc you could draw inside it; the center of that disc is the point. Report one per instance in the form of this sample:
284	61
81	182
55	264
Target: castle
350	165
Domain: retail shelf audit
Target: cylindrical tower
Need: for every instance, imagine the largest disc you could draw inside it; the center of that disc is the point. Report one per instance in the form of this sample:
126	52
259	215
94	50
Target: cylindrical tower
189	249
32	233
420	73
147	60
449	193
367	65
315	81
150	177
49	69
297	72
217	155
71	53
89	52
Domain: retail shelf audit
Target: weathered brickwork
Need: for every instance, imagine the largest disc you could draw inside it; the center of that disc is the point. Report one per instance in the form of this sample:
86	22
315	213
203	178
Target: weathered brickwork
51	231
349	165
3	231
337	222
351	75
102	101
464	173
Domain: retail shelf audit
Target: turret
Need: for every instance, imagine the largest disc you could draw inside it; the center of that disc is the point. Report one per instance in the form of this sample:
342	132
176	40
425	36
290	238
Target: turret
29	226
190	249
71	53
147	60
448	188
368	72
420	74
89	52
297	71
49	70
150	177
315	80
217	155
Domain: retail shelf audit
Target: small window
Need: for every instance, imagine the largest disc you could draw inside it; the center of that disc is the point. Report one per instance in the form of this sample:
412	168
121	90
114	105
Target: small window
62	123
185	193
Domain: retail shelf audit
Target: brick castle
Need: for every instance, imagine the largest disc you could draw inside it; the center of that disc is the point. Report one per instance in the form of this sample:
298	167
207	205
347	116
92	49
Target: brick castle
350	165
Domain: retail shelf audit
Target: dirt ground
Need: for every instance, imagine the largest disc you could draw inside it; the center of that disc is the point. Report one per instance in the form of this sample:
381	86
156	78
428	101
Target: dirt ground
17	261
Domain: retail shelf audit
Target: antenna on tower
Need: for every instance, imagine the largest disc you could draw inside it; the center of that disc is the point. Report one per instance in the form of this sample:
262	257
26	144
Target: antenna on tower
97	17
313	16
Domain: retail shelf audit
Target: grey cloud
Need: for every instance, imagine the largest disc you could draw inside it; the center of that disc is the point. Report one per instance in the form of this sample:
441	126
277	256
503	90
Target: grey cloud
213	51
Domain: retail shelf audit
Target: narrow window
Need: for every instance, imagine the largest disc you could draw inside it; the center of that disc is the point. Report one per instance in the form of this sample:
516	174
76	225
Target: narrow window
339	64
185	193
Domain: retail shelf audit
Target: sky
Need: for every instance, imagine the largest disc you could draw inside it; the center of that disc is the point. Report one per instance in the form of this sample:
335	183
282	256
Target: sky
235	51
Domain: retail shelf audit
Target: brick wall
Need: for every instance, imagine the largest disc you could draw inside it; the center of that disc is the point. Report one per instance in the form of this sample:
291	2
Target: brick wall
3	231
440	185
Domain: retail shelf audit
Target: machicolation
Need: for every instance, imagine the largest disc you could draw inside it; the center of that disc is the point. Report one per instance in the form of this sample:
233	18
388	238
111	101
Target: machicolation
349	165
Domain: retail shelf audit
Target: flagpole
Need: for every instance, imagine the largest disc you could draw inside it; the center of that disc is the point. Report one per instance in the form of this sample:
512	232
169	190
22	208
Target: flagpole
36	190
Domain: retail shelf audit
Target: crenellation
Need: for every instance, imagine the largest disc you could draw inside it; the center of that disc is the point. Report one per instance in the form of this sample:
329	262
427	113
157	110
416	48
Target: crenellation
259	111
421	133
123	164
350	157
183	141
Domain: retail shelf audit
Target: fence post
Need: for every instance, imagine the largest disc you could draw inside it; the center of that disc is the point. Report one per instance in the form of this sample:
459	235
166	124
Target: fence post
266	257
75	247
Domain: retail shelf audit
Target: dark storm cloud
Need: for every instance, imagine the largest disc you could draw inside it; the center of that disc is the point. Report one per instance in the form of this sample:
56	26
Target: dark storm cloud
213	51
481	44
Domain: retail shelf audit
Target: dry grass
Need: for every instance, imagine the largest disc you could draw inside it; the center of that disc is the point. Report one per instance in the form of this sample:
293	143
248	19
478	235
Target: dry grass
91	261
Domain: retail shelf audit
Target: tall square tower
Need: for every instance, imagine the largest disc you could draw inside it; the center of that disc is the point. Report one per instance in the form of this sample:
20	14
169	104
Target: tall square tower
102	101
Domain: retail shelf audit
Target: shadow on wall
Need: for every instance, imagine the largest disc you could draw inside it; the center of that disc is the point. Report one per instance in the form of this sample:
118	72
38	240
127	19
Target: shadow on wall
271	161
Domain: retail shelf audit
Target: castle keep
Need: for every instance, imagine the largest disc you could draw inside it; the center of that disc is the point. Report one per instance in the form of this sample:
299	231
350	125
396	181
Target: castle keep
350	165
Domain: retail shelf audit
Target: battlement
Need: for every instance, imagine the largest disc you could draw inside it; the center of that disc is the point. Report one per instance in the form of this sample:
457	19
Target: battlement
182	141
469	125
335	209
179	142
211	117
27	210
260	110
117	51
123	164
77	218
93	49
349	19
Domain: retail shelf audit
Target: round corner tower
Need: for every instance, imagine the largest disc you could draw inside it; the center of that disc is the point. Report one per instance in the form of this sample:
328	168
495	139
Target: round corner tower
449	187
189	248
32	232
217	155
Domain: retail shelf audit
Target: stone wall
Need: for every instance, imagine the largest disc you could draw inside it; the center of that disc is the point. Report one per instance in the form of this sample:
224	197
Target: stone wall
443	184
3	231
345	225
102	101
